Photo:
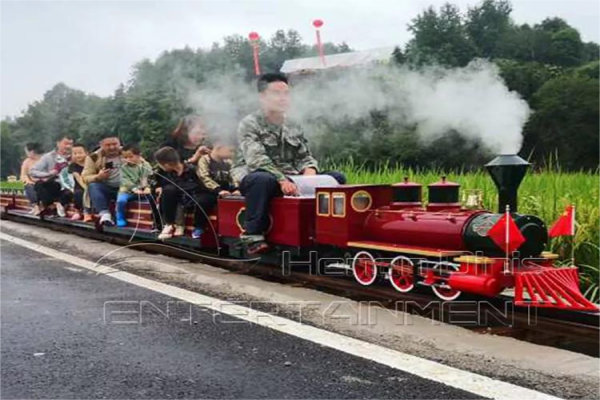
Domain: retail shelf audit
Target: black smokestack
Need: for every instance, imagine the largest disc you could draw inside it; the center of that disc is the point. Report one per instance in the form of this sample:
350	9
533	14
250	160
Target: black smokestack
507	172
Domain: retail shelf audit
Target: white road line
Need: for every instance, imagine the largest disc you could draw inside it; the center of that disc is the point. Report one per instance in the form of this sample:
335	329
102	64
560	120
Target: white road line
468	381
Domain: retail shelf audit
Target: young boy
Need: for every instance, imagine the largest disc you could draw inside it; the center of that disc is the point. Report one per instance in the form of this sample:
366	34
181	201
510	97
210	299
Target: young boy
179	187
81	198
214	171
34	153
135	172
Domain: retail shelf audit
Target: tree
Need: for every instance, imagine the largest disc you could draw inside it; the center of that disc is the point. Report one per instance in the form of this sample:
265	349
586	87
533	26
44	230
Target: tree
553	25
61	111
524	43
546	63
284	46
526	77
589	70
398	56
565	122
591	52
440	38
10	156
239	50
552	41
566	48
328	48
486	24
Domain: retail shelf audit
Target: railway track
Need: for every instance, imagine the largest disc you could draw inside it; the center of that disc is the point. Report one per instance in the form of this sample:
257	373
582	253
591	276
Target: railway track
569	330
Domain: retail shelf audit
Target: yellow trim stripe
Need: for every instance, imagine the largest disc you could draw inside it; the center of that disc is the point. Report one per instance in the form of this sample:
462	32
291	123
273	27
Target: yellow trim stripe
138	222
406	250
549	255
475	260
136	211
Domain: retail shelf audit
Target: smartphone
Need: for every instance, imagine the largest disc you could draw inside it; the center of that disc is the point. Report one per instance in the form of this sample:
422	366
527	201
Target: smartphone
109	165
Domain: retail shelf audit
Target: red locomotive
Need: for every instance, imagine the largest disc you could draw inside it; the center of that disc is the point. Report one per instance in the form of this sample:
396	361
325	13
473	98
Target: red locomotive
385	231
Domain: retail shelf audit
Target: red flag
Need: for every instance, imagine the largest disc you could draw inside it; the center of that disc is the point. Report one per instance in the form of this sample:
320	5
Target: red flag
565	224
506	234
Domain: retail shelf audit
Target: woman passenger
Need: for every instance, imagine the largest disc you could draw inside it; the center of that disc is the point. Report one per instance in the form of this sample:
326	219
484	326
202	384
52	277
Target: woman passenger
34	153
189	139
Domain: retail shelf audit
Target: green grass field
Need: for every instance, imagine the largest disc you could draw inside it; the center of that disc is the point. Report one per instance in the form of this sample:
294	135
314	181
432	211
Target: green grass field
542	193
11	185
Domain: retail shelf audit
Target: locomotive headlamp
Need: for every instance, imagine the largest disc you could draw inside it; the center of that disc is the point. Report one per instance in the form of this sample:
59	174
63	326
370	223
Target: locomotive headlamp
472	198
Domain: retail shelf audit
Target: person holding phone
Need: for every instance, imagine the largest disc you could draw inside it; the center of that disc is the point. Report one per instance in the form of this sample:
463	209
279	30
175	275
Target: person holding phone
102	174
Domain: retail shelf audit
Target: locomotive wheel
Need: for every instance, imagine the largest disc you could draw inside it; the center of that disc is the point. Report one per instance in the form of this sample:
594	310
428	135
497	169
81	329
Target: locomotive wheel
364	268
445	292
401	280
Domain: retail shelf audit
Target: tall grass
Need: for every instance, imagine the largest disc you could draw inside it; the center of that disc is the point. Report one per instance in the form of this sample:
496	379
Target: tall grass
544	193
11	185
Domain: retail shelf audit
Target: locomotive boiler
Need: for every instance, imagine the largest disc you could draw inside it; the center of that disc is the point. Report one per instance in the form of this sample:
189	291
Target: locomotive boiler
445	224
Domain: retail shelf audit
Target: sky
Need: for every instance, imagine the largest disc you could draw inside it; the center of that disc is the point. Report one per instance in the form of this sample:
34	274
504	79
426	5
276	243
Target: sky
92	45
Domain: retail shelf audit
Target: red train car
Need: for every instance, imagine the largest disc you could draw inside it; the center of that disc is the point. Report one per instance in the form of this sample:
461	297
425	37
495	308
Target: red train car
388	232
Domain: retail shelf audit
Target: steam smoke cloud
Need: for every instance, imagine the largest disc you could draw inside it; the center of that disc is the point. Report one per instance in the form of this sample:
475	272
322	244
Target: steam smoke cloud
473	101
223	101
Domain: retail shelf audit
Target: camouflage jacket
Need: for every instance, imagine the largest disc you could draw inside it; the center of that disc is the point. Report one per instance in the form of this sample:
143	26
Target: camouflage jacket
215	175
280	150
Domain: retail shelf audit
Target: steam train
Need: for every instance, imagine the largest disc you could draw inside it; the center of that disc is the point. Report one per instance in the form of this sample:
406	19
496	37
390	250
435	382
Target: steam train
385	232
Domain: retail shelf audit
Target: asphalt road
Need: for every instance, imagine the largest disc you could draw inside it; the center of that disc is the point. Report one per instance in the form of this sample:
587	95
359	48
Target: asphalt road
57	343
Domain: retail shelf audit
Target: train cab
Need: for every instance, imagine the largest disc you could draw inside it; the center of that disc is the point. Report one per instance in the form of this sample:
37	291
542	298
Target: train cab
292	218
341	211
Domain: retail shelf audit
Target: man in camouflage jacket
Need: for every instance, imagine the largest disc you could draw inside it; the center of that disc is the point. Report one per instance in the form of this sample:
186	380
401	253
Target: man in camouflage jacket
270	148
279	149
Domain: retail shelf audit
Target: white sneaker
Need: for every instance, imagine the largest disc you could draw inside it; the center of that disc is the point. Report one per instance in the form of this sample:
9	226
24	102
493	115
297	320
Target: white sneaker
60	210
106	219
167	232
179	230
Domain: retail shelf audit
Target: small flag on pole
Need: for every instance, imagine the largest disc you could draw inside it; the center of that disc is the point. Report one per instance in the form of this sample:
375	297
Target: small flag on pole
506	234
565	224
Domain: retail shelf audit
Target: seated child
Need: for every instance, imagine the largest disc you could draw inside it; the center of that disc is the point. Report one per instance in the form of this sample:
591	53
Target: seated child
214	171
135	172
34	153
67	185
179	188
81	197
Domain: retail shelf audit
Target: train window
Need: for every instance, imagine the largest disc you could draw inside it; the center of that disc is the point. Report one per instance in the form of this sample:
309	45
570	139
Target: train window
323	204
339	205
361	201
